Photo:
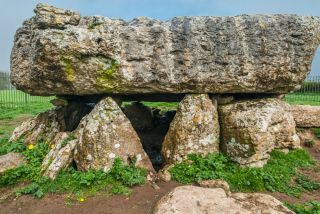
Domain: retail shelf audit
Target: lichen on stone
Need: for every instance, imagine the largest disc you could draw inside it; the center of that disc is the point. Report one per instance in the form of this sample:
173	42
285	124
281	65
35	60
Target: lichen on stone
68	67
106	71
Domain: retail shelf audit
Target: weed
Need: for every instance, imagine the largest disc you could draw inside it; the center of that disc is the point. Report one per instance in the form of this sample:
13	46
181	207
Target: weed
67	140
116	180
6	147
316	132
309	143
312	207
244	179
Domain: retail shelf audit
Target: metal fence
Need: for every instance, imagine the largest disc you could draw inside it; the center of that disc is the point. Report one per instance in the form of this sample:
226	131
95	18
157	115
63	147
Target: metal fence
10	97
309	93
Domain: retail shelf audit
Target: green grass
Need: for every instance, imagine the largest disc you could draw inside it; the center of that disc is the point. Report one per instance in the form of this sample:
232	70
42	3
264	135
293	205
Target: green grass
116	181
30	109
311	207
303	99
277	175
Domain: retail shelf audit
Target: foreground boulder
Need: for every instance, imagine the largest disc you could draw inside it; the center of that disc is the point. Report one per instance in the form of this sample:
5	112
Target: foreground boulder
251	129
105	134
78	55
60	156
199	200
194	129
10	161
306	116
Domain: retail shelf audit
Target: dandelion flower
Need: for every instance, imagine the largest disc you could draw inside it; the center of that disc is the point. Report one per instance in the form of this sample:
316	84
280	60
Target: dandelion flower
52	146
31	146
81	199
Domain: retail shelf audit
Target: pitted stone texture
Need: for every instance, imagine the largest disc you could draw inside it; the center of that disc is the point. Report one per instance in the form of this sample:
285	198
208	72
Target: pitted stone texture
251	129
306	116
10	161
198	200
140	116
60	156
44	126
194	129
105	134
59	52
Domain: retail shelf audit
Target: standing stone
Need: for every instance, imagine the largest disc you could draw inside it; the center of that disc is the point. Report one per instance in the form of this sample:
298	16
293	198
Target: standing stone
105	134
194	129
60	156
251	129
47	124
306	116
44	126
58	52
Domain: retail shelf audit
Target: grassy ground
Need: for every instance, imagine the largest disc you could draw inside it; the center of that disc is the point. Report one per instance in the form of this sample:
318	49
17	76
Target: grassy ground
304	99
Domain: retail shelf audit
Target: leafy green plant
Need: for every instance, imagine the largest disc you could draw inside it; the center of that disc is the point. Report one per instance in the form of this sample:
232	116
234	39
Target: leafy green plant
244	179
67	140
316	132
309	143
312	207
116	180
6	147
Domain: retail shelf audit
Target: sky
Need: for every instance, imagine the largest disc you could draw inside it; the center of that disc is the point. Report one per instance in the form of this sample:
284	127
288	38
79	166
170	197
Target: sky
14	12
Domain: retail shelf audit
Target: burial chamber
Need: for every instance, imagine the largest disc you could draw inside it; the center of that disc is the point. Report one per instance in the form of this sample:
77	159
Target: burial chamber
227	74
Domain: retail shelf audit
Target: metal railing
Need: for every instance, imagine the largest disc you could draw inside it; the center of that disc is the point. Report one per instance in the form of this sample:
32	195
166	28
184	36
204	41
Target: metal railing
309	91
10	97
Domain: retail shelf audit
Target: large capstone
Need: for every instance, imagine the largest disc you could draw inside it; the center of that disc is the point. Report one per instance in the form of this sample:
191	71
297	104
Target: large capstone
251	129
105	134
58	52
194	129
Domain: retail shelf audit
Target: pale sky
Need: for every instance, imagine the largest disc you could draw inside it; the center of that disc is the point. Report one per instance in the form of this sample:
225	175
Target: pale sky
14	12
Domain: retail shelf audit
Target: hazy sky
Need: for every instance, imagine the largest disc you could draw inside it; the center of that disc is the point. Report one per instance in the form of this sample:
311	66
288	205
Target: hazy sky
14	12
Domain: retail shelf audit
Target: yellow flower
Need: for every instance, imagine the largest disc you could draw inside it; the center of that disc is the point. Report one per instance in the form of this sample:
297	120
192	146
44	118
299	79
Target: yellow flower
52	146
81	199
31	146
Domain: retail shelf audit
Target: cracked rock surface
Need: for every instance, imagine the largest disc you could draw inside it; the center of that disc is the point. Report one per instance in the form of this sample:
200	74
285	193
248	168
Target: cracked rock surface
105	134
58	52
194	129
251	129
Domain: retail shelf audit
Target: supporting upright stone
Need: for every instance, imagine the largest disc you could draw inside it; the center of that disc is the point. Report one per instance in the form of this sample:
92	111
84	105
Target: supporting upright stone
60	156
44	126
251	129
47	124
194	129
105	134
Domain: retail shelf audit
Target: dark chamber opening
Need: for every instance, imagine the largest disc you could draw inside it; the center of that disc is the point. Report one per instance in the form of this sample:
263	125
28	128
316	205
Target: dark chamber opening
151	125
